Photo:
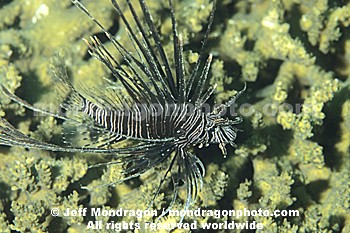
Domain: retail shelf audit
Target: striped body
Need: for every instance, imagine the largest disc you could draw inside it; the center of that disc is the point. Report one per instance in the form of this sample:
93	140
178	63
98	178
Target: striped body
148	122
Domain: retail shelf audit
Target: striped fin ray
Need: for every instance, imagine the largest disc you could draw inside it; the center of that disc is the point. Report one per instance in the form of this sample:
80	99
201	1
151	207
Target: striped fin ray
137	88
192	174
191	171
150	71
236	96
98	51
153	66
135	65
127	56
71	99
104	96
10	136
155	94
156	38
138	161
198	92
194	75
169	81
178	58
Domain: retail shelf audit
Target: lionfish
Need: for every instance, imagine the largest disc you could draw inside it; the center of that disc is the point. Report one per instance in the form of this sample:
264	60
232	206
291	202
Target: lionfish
162	116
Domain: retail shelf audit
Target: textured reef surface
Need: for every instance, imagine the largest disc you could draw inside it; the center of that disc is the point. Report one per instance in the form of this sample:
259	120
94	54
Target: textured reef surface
293	153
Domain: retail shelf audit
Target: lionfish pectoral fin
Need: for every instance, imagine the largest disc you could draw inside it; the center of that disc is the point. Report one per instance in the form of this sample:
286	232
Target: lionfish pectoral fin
175	186
139	159
176	182
222	147
191	171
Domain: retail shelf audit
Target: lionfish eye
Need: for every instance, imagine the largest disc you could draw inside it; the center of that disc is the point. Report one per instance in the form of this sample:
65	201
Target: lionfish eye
219	110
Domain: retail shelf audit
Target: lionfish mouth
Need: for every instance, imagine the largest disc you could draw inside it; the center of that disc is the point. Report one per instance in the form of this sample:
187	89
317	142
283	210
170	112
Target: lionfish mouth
154	112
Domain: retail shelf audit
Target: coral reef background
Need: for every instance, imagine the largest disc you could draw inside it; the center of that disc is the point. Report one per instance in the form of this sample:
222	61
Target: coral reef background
291	53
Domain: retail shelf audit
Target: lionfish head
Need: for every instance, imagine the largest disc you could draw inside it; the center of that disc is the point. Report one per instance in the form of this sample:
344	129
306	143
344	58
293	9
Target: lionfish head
220	129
